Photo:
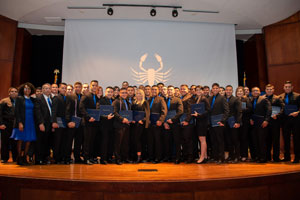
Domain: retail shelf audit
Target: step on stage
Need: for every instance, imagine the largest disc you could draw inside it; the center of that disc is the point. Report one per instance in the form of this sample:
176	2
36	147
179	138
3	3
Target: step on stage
150	181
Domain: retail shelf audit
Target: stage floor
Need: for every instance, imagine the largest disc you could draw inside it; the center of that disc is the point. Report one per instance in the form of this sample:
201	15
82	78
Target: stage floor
166	172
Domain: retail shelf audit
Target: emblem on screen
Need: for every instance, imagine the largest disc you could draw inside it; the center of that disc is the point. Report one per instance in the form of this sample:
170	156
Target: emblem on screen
151	75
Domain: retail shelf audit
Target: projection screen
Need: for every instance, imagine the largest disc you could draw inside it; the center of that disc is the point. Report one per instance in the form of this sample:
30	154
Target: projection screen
148	52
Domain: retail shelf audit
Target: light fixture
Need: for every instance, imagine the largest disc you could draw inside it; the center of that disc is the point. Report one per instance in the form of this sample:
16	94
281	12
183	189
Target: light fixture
175	13
110	11
152	12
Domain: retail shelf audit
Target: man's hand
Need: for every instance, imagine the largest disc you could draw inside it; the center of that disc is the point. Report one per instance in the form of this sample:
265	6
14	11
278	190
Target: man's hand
169	121
42	127
21	127
2	127
184	123
294	114
220	124
125	121
110	116
54	125
92	119
264	124
236	125
166	125
71	124
158	123
141	122
274	116
251	122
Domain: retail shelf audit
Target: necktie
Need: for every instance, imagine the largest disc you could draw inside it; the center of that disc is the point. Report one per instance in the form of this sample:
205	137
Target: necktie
130	101
13	102
75	107
254	103
169	103
151	102
64	98
213	101
79	97
286	99
94	97
227	99
110	101
125	104
49	102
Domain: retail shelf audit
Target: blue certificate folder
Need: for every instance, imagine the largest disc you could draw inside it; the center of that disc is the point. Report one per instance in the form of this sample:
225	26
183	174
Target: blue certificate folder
61	122
199	108
214	119
275	110
138	115
95	113
126	114
183	117
288	109
244	105
106	110
170	114
154	117
258	120
76	120
231	121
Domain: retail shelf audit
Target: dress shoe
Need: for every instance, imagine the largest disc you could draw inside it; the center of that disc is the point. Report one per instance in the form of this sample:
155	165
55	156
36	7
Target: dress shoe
78	161
189	161
202	162
103	162
219	162
286	160
261	161
127	161
88	162
177	162
4	161
156	162
40	162
234	161
118	162
296	160
94	161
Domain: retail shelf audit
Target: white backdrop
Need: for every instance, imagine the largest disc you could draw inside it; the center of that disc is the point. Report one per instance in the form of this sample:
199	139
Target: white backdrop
110	51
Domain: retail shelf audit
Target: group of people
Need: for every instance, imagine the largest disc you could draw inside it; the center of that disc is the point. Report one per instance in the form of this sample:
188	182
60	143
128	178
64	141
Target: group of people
246	125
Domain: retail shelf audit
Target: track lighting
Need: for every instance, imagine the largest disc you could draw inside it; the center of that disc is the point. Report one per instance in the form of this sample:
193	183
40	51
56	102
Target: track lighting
152	12
175	13
110	11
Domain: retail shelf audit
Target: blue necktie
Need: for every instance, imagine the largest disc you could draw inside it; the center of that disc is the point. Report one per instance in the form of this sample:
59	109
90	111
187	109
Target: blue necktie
227	99
94	97
169	103
110	101
49	102
286	99
13	102
130	101
79	97
125	104
213	101
64	98
254	103
151	102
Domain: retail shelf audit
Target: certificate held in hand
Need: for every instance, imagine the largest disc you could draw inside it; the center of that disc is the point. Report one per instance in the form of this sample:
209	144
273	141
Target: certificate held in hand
171	114
154	117
61	122
76	120
138	115
183	117
214	119
106	110
231	121
199	108
126	114
95	113
275	110
288	109
258	120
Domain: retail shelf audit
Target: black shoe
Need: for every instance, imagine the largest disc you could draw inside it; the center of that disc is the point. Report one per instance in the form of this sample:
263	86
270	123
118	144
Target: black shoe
103	162
219	162
156	162
88	162
286	160
234	161
261	161
296	160
4	161
39	162
139	160
94	161
78	161
127	161
118	162
177	162
188	161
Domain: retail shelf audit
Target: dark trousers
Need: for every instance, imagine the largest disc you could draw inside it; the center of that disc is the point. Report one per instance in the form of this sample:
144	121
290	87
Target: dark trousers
259	139
154	142
96	152
60	144
244	138
106	132
42	150
177	139
138	130
121	144
233	142
291	126
89	141
167	144
187	141
145	143
7	143
75	134
217	141
273	139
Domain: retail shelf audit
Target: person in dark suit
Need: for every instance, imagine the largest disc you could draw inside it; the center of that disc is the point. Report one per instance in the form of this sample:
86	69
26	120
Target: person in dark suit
273	135
140	104
245	125
89	101
201	123
7	117
172	126
44	125
122	125
106	126
60	133
76	134
235	110
157	106
218	105
291	122
261	108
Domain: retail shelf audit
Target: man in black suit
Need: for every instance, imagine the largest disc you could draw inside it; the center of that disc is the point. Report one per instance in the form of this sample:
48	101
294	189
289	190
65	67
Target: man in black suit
7	116
232	134
60	133
72	109
219	106
89	101
261	109
43	119
121	125
157	106
291	122
172	126
273	135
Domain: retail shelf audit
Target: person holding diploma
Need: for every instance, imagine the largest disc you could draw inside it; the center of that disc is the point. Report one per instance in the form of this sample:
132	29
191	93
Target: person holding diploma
219	108
262	111
291	121
89	101
245	125
201	123
172	126
140	105
233	125
273	131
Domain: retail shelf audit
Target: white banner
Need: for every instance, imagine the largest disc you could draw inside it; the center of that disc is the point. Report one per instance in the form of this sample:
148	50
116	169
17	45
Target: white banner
148	52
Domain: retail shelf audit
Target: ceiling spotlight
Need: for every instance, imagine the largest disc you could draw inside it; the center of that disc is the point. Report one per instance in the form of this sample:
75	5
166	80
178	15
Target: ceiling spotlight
152	12
110	11
175	13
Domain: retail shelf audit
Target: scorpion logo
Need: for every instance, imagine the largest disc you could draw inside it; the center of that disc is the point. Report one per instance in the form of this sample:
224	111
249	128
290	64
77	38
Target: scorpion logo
151	75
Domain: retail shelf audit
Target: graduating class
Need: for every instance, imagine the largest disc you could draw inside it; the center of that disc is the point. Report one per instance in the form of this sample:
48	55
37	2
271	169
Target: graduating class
88	124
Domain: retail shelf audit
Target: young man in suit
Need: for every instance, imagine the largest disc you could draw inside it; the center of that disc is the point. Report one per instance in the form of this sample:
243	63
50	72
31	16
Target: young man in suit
262	108
232	134
130	94
157	106
291	122
273	135
7	117
218	105
89	101
44	125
